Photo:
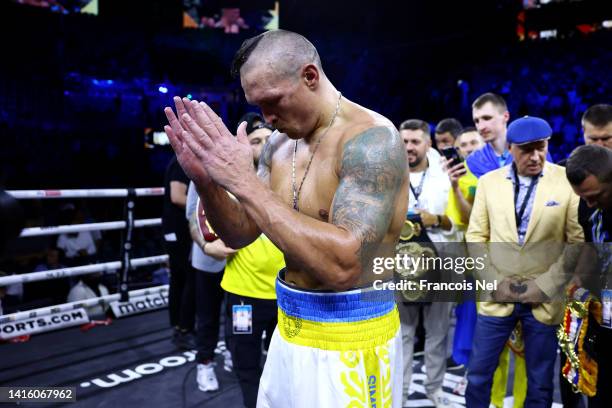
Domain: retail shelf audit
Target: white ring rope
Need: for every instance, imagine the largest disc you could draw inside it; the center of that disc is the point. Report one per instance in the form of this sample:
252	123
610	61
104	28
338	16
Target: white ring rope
102	300
79	270
97	226
102	192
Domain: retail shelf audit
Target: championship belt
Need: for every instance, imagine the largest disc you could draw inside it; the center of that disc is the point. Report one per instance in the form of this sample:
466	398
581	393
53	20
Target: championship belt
580	368
412	271
204	228
410	229
414	243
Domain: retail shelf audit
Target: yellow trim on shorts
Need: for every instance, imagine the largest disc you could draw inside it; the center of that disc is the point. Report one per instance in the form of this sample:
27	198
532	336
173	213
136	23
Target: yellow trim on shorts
339	336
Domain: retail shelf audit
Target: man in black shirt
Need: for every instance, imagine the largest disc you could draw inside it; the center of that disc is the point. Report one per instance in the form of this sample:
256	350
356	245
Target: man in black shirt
589	170
178	245
597	130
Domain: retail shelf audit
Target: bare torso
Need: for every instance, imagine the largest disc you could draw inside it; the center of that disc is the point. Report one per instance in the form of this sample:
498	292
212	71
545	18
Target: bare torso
322	180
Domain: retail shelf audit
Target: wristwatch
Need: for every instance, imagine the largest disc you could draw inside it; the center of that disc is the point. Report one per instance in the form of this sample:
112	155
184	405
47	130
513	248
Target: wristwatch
437	224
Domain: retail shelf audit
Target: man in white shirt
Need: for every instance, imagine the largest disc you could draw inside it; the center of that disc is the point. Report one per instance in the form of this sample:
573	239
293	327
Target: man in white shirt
90	287
77	245
428	197
208	260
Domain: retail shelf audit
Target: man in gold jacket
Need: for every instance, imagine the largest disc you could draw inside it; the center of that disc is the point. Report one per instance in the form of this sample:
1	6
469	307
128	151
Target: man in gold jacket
526	213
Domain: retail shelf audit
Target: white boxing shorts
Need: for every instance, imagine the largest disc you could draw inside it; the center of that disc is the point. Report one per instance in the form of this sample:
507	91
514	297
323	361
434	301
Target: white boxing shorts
332	350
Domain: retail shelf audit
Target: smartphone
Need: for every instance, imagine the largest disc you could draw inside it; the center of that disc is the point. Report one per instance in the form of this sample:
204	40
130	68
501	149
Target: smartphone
451	153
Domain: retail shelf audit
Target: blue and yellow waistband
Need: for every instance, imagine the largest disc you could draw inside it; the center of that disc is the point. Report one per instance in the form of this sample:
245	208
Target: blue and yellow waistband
352	320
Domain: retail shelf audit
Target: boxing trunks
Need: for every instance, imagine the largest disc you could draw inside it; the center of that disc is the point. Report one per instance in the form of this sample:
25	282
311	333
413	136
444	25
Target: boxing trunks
333	349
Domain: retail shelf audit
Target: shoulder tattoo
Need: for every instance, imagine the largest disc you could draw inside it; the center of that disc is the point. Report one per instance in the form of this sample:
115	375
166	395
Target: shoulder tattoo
372	170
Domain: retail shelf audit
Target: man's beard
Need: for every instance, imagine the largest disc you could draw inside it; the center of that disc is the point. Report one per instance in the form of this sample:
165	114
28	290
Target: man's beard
416	162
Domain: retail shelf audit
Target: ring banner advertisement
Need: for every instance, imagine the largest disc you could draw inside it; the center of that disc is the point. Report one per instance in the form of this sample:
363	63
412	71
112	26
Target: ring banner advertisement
140	304
41	324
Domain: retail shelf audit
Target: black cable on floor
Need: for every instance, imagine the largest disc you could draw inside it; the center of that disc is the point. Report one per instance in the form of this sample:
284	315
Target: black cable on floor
184	383
231	387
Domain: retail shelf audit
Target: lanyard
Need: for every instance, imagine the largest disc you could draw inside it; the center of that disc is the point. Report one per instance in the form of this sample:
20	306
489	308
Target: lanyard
417	192
602	237
521	212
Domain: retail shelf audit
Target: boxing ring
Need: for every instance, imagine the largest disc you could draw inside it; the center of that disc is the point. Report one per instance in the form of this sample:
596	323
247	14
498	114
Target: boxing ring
24	323
129	362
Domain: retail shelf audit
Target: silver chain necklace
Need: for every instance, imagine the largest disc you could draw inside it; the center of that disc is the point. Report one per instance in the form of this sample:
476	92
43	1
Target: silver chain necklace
296	192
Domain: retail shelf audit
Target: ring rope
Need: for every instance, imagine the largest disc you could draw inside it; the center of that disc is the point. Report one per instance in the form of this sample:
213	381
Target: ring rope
97	226
102	300
79	270
91	193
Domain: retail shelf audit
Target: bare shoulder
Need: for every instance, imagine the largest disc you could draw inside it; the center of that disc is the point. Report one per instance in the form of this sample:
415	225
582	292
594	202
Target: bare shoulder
371	147
371	134
372	172
361	121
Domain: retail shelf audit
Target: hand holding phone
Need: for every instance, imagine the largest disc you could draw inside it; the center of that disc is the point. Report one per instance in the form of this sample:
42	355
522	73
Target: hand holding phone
451	153
454	165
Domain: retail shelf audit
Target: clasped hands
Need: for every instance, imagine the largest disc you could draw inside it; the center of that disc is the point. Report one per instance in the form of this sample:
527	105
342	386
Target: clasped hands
513	290
206	150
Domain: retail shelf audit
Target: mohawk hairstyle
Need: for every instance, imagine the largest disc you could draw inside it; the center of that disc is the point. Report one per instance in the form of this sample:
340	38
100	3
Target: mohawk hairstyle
243	54
286	51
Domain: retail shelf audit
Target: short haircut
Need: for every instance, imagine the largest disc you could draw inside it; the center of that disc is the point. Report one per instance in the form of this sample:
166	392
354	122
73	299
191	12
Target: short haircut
254	121
468	130
286	51
495	99
587	160
449	125
598	115
416	124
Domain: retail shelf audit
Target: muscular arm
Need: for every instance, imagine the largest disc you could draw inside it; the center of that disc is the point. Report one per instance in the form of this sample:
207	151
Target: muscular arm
227	216
372	170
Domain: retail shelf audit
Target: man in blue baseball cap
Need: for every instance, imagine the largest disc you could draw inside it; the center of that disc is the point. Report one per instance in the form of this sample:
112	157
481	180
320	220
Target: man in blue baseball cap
528	202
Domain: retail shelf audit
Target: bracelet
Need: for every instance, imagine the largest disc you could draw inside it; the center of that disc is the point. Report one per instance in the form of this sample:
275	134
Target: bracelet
204	247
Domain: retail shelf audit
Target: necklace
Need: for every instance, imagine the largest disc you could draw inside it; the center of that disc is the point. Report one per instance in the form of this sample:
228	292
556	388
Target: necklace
296	191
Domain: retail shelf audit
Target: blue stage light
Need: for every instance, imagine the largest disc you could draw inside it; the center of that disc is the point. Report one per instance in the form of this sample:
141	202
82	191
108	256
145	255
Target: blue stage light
162	89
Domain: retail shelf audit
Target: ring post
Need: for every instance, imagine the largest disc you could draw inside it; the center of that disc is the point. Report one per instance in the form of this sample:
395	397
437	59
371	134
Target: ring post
126	248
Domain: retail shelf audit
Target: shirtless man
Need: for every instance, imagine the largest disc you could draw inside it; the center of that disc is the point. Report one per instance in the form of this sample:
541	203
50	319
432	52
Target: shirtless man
331	194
